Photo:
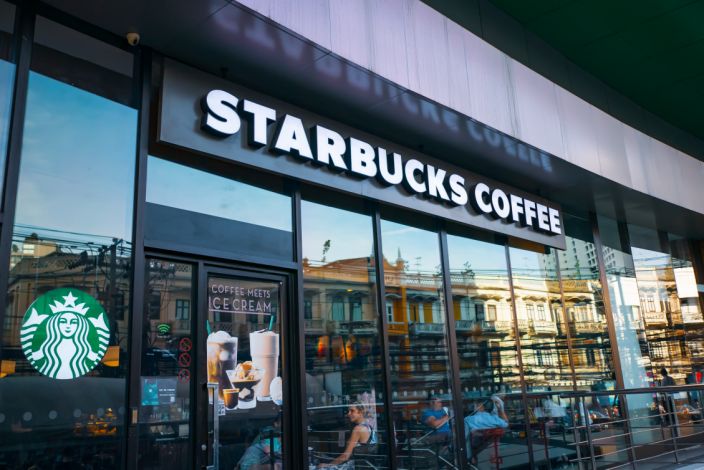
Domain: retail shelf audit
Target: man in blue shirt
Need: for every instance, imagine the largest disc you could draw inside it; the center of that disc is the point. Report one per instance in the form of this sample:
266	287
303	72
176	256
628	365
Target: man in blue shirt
436	418
480	421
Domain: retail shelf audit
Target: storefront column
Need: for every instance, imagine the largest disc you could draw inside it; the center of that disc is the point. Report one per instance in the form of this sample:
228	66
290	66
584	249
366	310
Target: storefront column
297	390
23	39
386	358
143	77
458	430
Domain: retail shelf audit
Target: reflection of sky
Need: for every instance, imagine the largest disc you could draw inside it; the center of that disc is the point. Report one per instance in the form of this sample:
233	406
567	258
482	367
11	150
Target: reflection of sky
174	185
481	257
528	263
350	234
644	258
7	74
78	154
419	248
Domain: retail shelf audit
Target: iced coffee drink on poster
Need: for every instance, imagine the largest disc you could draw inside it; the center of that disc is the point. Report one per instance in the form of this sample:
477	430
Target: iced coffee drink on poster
264	349
221	357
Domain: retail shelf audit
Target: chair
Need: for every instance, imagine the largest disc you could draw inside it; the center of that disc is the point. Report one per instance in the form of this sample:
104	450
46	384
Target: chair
484	438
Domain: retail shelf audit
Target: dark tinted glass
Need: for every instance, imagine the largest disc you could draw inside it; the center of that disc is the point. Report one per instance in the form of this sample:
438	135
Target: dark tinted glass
66	329
486	347
584	306
543	339
167	366
418	346
343	347
211	214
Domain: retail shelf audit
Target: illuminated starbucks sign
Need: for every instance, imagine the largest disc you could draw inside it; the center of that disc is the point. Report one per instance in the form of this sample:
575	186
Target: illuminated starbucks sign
64	333
217	118
357	158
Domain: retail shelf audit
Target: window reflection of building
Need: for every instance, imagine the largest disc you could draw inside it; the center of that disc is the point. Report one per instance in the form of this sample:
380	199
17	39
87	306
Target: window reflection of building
539	312
669	309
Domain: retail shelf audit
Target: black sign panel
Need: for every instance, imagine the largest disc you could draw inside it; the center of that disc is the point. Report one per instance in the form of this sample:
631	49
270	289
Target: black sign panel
215	117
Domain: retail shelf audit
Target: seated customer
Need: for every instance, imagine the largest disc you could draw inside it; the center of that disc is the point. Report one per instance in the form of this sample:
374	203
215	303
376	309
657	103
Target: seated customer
479	421
362	436
437	419
258	455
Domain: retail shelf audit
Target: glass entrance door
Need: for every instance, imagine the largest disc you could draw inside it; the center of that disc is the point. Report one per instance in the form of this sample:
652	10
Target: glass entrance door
240	361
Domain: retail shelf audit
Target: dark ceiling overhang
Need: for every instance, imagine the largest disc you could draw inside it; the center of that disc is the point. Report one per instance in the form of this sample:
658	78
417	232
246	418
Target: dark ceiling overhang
230	40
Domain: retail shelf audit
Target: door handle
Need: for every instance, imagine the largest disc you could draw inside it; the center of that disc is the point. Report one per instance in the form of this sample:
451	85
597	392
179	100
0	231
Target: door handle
214	388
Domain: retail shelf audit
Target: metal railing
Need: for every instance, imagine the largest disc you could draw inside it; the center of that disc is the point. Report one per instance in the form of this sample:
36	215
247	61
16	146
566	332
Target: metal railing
655	426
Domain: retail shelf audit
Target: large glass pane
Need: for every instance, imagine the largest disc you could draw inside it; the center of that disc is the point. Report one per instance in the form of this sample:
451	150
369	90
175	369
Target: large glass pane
65	335
418	348
629	324
7	75
591	347
211	214
167	366
343	350
660	304
543	339
684	303
584	304
672	320
486	346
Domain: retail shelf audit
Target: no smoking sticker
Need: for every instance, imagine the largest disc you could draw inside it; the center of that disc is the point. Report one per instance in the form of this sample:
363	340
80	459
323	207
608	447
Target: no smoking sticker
184	360
185	344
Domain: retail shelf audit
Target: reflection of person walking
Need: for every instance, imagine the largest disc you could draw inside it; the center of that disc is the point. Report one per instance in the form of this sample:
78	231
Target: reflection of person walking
667	400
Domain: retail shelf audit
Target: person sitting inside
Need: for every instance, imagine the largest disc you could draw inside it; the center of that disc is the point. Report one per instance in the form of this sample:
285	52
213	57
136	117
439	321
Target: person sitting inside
362	436
437	419
487	415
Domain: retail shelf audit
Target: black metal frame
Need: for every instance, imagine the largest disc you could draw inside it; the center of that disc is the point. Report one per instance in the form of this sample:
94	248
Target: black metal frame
23	40
143	60
451	332
205	270
384	325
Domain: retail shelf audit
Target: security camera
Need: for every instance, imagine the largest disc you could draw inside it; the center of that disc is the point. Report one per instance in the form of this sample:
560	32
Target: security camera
132	38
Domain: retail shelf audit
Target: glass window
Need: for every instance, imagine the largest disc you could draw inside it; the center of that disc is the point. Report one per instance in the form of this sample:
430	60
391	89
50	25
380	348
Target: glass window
584	304
629	324
211	214
66	331
536	286
7	78
586	317
544	353
183	308
486	346
344	379
418	347
625	304
165	391
246	373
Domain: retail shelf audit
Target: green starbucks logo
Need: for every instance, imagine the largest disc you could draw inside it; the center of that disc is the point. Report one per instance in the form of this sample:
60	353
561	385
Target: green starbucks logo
64	334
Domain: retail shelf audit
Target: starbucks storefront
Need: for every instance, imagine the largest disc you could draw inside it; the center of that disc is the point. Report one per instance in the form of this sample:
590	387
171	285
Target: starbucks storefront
204	274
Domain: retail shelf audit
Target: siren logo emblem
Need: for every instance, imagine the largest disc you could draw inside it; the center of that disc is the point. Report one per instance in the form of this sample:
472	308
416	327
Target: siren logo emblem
64	333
